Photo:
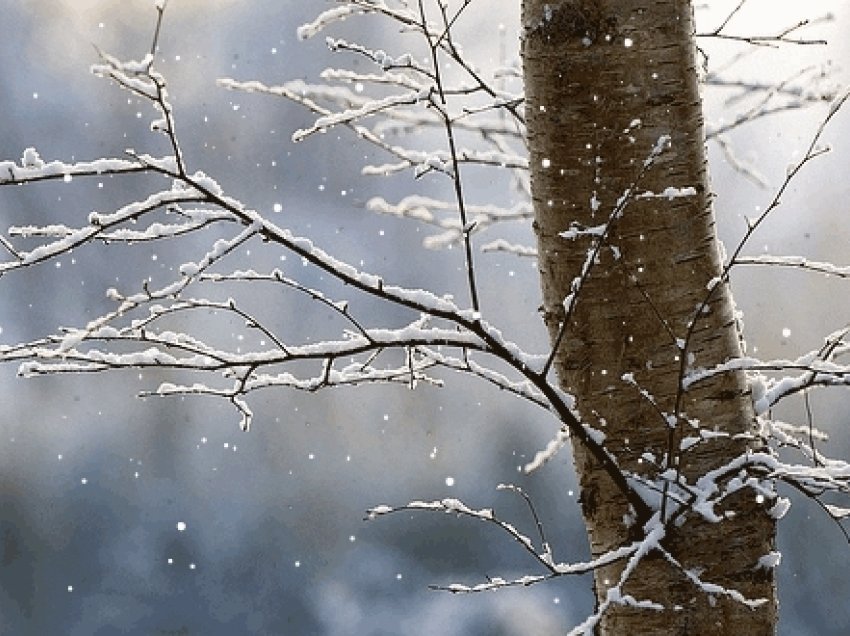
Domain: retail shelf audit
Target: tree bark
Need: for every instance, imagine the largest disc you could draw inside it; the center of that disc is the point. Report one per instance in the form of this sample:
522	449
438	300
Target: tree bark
605	80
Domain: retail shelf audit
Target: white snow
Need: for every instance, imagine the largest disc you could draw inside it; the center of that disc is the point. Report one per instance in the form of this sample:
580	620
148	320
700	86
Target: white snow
668	193
552	448
769	561
780	508
33	168
324	19
837	511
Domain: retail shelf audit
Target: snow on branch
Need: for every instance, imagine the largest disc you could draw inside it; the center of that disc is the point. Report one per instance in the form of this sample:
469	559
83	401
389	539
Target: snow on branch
443	215
367	109
325	19
816	368
713	589
523	388
633	553
541	457
614	595
196	220
356	107
381	58
796	262
70	239
430	98
300	93
771	381
542	553
813	151
133	75
140	78
155	348
32	168
331	16
501	245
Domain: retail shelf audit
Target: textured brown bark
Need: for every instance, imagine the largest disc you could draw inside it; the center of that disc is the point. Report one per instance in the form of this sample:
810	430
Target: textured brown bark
605	79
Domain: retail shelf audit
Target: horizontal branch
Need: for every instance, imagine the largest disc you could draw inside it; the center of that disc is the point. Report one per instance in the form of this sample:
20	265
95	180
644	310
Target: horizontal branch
796	262
33	169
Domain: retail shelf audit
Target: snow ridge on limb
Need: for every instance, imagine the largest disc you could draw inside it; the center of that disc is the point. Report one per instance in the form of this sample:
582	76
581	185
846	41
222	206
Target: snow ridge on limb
33	168
331	16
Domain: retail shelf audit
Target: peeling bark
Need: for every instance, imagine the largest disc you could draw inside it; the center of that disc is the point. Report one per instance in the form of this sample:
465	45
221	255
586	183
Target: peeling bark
605	80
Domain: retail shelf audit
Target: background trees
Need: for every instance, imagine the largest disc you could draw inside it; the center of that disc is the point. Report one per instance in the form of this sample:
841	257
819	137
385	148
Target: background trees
336	440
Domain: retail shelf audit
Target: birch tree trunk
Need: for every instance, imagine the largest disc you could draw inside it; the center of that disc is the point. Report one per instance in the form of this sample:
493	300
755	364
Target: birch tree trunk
605	80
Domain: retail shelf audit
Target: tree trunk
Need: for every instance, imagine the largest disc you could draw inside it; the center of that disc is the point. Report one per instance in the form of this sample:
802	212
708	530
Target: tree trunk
605	80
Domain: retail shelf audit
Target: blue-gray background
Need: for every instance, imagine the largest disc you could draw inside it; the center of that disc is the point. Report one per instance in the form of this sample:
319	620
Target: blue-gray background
93	482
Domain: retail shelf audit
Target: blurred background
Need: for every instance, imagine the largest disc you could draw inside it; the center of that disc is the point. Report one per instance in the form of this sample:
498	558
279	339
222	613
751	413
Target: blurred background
122	515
